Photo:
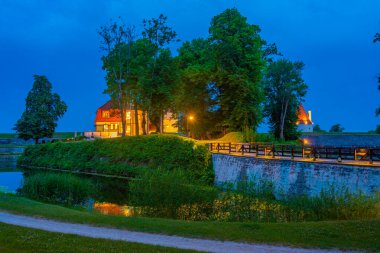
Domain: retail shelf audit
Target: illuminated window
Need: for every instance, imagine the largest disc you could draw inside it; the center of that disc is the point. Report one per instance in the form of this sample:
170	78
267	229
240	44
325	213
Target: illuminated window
111	126
105	127
128	116
106	114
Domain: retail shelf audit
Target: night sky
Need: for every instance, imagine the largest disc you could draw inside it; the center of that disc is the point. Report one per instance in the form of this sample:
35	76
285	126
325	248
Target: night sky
59	39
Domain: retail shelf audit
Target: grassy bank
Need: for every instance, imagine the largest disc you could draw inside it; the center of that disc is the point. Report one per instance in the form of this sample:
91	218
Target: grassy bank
360	234
14	239
124	156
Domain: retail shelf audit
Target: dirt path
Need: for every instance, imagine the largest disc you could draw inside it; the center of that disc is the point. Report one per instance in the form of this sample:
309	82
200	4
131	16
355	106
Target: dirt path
147	238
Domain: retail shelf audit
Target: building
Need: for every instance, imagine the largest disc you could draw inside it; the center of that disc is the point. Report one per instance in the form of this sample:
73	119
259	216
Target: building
108	122
304	122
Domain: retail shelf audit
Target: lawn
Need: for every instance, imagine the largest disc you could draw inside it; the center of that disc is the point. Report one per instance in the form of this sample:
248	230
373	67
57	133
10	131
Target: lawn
360	234
14	239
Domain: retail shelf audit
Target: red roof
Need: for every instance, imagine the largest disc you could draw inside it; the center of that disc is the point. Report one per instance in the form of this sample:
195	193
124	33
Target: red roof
113	113
303	117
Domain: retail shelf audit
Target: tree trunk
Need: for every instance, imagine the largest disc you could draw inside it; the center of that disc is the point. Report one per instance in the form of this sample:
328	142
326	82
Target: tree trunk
161	123
123	121
136	120
283	116
143	122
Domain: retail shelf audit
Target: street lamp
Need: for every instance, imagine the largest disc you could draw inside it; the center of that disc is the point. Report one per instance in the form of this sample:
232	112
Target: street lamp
189	118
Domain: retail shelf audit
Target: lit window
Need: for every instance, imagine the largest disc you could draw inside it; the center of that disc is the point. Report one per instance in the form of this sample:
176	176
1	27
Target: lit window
105	127
128	116
106	114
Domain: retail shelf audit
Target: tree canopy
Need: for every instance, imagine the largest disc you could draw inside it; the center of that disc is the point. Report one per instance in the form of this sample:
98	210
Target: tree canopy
284	91
42	111
337	128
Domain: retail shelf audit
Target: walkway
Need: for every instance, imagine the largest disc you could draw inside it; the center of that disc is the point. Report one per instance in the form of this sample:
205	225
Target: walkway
147	238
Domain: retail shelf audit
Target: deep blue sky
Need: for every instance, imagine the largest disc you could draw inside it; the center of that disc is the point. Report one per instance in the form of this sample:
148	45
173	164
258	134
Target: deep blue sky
59	39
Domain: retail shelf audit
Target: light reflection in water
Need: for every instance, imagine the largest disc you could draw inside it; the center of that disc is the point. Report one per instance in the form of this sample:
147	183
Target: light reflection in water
113	209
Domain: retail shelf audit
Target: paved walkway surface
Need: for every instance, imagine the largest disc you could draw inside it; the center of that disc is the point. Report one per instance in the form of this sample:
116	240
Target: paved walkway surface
147	238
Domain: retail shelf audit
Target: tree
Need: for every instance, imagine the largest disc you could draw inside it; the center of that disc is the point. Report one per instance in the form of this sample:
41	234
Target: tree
317	128
284	91
238	50
337	128
197	93
42	111
116	42
160	36
377	130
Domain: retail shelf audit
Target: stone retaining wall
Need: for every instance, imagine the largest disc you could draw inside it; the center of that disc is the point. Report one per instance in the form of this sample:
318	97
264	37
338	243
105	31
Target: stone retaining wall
295	177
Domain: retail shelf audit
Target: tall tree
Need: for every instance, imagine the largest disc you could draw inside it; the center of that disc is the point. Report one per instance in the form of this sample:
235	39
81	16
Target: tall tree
197	94
284	91
116	42
160	35
238	52
42	111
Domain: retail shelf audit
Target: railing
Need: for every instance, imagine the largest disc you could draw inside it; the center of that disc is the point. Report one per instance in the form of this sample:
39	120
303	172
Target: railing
369	154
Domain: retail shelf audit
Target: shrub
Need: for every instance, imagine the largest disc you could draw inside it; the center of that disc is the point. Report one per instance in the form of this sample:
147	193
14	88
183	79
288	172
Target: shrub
161	193
124	156
57	188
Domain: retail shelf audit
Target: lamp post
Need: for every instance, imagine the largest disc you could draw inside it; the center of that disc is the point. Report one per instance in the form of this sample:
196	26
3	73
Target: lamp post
189	118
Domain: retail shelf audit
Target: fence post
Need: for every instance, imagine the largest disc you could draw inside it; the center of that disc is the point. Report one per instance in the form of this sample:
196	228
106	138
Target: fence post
257	150
229	148
273	150
292	152
242	149
339	155
370	156
218	147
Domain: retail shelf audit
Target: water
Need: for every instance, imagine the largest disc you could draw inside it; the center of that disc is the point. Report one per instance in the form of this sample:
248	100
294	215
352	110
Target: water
110	195
10	181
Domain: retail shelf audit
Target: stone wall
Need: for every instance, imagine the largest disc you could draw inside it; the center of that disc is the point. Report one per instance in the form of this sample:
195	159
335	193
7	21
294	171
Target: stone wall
295	177
339	140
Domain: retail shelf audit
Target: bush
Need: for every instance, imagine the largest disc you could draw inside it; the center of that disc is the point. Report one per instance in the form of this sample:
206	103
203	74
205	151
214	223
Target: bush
124	156
161	193
57	188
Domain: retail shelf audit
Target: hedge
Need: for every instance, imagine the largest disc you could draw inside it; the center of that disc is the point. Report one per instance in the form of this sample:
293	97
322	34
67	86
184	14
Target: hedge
126	156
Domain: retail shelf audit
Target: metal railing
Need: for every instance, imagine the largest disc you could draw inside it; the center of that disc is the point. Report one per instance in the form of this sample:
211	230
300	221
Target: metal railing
272	150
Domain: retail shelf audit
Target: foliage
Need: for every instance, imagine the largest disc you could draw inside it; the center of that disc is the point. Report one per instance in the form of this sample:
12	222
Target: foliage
237	49
337	128
197	93
124	156
284	91
42	111
57	188
317	128
160	193
116	42
377	131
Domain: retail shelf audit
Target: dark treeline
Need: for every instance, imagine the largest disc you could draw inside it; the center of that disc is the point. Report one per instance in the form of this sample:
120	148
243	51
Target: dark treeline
228	81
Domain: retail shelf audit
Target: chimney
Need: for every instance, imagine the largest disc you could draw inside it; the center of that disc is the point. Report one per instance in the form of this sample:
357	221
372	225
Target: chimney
309	113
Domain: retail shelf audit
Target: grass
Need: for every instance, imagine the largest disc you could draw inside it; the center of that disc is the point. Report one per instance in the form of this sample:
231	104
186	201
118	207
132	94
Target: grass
358	234
15	239
59	135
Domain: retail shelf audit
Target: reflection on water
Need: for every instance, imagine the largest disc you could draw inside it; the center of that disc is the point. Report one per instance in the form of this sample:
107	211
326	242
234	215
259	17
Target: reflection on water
10	181
110	195
113	209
